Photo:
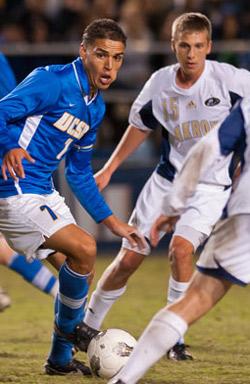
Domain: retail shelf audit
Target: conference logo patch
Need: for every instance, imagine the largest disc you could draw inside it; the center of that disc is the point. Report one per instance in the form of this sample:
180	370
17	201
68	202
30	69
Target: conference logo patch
212	101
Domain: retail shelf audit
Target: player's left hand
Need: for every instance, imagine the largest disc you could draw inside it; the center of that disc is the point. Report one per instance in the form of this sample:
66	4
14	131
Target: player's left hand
122	229
12	162
163	223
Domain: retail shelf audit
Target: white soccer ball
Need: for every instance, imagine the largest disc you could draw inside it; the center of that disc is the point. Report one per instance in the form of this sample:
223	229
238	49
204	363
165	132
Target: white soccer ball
108	352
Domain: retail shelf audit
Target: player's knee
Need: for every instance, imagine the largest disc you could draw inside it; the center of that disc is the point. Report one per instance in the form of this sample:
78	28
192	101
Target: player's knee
84	253
180	253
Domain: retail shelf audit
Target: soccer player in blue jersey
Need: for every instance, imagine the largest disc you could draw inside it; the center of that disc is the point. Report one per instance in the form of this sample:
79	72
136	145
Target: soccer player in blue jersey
54	114
225	259
34	272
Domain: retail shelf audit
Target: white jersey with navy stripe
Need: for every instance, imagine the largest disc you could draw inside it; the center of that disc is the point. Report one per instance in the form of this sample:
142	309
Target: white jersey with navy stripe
187	115
239	201
232	136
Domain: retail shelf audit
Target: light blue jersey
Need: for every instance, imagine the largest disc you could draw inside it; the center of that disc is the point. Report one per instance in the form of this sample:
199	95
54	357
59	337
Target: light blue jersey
49	114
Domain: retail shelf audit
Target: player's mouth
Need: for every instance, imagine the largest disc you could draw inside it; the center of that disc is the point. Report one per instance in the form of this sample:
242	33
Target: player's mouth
105	80
191	65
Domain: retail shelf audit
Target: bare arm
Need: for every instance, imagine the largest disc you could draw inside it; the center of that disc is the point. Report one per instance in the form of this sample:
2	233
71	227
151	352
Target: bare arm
119	228
130	141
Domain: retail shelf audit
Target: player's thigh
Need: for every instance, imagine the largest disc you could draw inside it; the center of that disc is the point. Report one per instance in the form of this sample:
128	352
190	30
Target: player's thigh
28	220
72	240
148	208
227	251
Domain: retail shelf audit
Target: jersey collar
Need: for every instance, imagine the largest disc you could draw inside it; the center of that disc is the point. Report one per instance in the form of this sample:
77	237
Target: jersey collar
83	81
192	89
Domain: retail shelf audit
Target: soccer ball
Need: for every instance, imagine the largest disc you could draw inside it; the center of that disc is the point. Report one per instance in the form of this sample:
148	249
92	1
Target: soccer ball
108	352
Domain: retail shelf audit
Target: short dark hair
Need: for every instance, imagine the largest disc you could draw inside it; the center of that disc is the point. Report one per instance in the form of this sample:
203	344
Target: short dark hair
191	21
103	29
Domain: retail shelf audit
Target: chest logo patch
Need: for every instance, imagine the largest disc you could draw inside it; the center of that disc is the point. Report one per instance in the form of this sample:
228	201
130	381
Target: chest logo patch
212	101
191	105
72	125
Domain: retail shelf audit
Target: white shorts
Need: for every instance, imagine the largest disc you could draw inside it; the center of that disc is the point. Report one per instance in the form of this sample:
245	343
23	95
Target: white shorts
27	220
204	209
227	252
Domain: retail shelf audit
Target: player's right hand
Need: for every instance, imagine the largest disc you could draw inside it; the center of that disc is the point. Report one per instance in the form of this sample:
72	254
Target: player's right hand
163	223
102	178
119	228
12	162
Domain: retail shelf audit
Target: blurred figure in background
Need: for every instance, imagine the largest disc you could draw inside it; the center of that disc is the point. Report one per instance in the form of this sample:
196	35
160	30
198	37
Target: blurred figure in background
70	19
136	67
35	272
7	77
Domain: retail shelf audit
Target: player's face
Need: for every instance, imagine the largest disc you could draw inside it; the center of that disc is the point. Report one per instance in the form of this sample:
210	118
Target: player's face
102	61
191	49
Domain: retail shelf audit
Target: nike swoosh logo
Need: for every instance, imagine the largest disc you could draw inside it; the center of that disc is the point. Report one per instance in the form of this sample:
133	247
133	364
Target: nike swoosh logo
71	105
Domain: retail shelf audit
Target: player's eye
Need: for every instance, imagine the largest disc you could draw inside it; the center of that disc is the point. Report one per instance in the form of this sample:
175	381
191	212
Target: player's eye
118	58
183	45
100	55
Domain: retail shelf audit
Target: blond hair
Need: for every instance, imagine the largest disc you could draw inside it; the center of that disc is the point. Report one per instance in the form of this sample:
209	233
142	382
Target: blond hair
191	21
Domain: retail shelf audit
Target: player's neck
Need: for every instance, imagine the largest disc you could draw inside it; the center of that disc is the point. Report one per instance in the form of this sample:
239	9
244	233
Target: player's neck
92	92
92	88
187	80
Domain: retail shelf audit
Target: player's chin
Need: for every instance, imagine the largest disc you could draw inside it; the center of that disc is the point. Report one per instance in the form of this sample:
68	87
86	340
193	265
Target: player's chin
103	87
104	84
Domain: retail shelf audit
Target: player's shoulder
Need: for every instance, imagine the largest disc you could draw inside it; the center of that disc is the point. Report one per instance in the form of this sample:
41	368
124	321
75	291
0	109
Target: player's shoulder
225	71
58	70
43	73
57	75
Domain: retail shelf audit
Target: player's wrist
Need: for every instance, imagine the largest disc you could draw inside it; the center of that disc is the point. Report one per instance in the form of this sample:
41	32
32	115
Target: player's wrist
111	222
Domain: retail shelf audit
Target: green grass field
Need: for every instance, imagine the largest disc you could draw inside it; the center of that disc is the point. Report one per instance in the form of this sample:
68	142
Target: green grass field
220	342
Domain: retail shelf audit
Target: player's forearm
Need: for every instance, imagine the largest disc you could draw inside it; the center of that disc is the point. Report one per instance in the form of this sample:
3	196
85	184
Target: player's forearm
131	140
86	191
110	222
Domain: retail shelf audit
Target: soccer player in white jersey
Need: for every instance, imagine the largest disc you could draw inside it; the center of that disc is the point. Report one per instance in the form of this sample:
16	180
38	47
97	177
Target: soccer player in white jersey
225	260
188	99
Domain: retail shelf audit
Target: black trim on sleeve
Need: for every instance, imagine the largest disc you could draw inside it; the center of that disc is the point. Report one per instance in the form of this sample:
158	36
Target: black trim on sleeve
147	116
234	97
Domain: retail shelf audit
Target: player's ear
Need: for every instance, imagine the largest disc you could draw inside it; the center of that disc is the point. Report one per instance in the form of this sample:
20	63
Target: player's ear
209	47
82	51
173	45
